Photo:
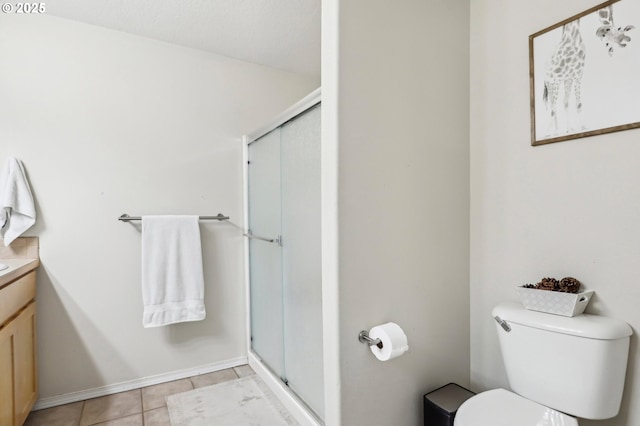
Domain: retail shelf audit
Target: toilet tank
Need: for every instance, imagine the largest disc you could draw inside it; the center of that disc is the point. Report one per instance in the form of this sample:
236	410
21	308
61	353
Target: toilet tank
576	365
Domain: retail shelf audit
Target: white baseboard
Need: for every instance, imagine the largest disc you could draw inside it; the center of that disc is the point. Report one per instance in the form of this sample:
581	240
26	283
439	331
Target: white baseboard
137	383
284	395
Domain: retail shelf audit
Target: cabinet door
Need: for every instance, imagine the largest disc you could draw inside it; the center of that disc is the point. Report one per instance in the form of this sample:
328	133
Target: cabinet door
18	380
7	416
26	387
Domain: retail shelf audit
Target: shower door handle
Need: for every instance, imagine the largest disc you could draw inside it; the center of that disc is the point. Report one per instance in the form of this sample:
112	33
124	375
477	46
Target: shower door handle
277	240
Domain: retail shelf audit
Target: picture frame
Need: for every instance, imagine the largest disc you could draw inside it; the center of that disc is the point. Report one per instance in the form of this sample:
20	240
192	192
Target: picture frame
584	74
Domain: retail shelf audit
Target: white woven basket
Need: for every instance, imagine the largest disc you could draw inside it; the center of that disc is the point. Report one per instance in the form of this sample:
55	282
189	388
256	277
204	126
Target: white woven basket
554	302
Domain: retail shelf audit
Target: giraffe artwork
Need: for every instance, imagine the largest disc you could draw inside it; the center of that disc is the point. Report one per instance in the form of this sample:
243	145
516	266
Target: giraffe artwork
583	74
564	73
609	34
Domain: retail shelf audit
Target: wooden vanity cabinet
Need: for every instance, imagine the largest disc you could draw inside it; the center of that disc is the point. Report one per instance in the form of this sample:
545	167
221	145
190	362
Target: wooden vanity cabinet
18	378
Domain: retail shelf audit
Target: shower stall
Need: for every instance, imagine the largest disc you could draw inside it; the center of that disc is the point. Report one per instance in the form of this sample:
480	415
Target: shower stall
284	258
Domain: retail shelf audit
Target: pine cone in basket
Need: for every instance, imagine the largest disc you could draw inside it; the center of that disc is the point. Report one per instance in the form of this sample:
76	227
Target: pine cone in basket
565	285
548	284
569	285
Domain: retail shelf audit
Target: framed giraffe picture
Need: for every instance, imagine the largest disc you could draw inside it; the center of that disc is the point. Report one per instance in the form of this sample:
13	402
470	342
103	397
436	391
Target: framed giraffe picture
584	74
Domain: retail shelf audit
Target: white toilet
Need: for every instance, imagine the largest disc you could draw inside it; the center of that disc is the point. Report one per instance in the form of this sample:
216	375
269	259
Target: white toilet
559	367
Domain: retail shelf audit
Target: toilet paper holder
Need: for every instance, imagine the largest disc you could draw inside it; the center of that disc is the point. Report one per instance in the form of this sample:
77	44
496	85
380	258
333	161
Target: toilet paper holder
363	337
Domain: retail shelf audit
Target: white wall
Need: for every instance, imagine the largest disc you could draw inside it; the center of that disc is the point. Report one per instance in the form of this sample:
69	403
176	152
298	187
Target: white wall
108	123
395	95
565	209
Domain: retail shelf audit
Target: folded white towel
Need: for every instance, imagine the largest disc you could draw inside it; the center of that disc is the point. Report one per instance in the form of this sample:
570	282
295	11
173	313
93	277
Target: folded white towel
17	209
172	278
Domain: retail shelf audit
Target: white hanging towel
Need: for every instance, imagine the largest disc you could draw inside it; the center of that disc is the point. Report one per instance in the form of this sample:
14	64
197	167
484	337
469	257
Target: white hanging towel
172	278
17	209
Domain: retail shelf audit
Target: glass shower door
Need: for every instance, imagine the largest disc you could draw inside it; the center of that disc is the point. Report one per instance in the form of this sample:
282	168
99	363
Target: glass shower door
285	275
265	264
301	257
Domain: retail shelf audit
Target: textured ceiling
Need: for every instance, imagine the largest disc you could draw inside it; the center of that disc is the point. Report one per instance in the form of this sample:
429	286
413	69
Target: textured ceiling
284	34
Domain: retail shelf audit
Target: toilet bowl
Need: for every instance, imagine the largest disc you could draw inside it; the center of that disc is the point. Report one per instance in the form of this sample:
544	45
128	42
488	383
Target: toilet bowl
500	407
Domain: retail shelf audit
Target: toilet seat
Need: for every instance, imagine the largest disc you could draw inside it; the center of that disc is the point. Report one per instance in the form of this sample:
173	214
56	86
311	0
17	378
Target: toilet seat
499	407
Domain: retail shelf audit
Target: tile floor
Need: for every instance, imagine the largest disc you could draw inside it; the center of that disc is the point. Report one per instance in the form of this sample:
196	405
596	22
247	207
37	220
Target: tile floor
138	407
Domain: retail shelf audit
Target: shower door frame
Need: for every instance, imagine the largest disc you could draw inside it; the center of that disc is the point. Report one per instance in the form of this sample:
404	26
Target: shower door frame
292	403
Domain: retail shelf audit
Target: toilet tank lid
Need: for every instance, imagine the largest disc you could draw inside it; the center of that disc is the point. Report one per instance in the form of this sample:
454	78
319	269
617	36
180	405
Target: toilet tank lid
585	325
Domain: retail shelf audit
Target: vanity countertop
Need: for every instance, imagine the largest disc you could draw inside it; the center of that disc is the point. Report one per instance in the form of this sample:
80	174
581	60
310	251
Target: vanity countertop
16	269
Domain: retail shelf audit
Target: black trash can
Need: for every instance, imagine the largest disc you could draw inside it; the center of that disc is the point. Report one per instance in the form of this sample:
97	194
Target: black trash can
441	405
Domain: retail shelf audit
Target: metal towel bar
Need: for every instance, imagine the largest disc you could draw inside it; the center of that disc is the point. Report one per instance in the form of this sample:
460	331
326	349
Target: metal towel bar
126	218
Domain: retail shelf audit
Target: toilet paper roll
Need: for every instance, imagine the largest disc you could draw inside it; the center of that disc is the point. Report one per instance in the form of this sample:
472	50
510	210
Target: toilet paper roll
394	341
